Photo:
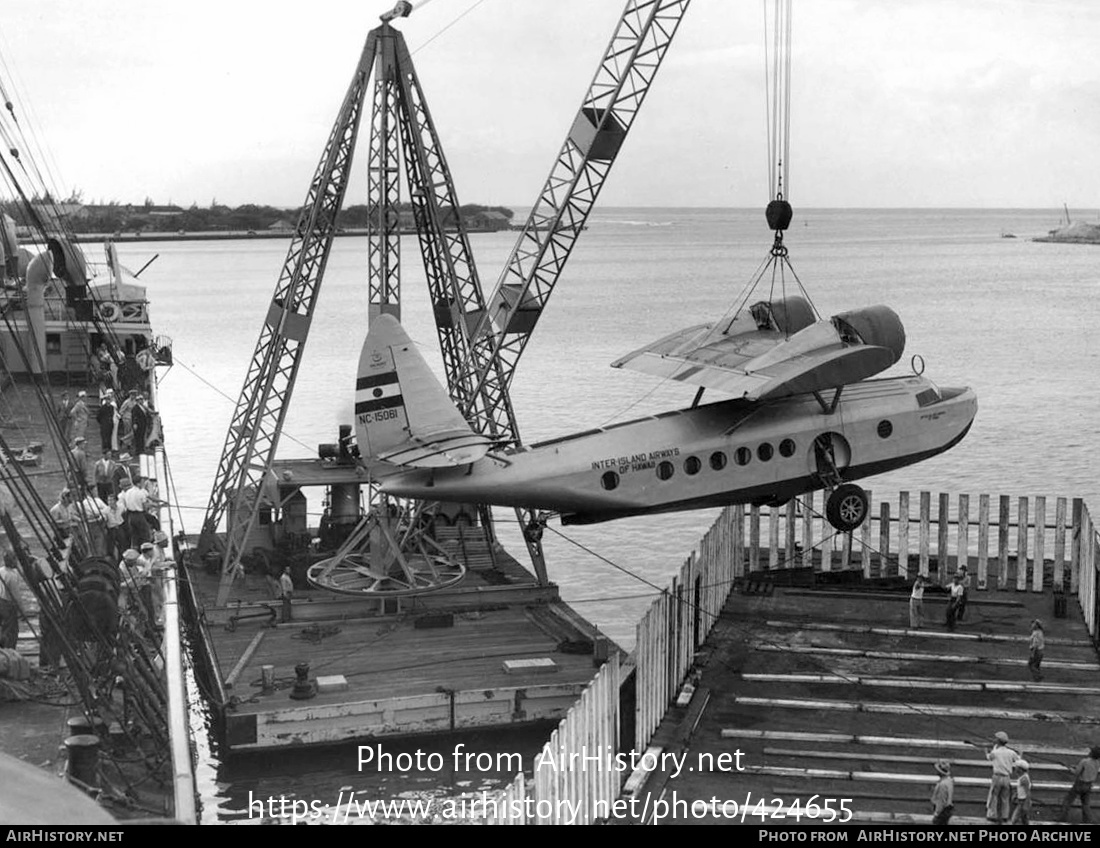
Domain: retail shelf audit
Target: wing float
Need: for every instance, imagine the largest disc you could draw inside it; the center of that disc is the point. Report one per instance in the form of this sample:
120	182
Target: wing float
775	349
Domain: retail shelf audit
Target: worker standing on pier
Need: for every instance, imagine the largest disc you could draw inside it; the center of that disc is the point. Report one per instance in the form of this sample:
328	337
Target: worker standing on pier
943	795
964	581
916	604
953	601
1036	647
1083	778
1003	759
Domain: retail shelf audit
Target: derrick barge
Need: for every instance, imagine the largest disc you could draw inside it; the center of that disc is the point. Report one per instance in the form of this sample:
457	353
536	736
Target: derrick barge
497	650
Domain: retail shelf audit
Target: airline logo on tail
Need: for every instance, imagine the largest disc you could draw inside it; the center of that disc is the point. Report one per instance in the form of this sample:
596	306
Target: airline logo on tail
403	415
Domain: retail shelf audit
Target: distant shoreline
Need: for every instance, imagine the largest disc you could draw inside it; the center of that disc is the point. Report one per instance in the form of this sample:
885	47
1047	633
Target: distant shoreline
230	235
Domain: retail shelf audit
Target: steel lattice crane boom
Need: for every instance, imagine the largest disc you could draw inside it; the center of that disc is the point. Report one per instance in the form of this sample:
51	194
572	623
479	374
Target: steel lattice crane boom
254	431
625	74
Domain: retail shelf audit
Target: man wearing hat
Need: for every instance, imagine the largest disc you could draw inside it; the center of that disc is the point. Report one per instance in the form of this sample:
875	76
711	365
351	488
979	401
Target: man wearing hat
1003	759
943	795
1083	777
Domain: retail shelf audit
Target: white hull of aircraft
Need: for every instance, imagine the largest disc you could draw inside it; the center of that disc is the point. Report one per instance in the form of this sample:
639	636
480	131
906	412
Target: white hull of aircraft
730	452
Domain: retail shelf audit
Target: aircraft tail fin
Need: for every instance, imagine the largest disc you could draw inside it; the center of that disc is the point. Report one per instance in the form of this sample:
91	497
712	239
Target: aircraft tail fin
403	414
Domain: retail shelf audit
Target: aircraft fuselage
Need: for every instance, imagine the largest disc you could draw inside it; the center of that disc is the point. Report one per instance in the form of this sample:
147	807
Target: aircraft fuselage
722	453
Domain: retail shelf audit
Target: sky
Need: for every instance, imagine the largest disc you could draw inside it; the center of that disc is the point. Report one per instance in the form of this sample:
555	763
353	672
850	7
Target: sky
895	103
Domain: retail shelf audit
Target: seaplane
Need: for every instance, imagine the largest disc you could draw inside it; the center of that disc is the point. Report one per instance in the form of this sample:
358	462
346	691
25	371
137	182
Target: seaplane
804	411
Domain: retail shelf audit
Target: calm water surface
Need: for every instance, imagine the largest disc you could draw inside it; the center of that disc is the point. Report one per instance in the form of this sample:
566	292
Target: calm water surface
1014	319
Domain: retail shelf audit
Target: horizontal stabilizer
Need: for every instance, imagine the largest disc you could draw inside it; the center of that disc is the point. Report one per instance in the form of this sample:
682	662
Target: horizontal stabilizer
403	415
756	359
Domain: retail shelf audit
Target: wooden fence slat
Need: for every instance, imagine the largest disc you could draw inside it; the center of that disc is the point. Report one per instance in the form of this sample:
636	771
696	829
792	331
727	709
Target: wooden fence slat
1059	543
983	541
943	525
808	530
1021	544
1040	544
790	549
754	538
865	544
1002	542
773	538
903	534
962	549
925	530
884	539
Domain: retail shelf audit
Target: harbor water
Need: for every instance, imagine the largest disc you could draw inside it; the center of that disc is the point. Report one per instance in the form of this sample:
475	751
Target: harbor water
1014	319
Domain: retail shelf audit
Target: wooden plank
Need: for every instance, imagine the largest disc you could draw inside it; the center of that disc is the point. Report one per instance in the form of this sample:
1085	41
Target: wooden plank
983	541
925	530
1075	546
943	526
865	544
884	539
1021	544
808	530
773	538
1040	543
790	550
903	534
962	556
754	538
231	678
1002	542
1059	543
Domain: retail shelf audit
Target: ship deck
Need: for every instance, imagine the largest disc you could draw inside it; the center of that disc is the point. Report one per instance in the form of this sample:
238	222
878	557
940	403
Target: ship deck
495	650
829	696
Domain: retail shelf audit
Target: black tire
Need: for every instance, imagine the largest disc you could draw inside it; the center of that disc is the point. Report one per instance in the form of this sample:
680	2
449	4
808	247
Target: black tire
847	507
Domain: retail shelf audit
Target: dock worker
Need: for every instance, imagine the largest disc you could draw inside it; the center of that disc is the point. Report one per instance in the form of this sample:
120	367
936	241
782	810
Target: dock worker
10	583
1036	646
62	513
964	581
1003	759
79	476
1084	775
916	604
286	591
956	598
943	795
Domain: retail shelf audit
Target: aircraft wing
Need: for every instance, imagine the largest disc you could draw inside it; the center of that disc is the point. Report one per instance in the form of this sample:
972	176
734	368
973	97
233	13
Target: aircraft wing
756	363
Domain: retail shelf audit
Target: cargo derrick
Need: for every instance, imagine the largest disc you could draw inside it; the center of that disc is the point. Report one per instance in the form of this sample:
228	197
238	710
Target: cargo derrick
481	346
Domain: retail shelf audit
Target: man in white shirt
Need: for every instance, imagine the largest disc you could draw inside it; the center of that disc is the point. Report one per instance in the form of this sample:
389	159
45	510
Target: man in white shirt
1003	759
956	589
916	604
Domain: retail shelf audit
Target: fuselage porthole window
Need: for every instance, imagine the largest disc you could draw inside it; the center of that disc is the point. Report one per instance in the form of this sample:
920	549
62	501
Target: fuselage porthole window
765	451
665	470
609	480
787	448
742	456
692	465
885	429
718	460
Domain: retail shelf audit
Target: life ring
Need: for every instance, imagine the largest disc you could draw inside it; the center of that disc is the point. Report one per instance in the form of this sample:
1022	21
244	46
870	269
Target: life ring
109	311
146	359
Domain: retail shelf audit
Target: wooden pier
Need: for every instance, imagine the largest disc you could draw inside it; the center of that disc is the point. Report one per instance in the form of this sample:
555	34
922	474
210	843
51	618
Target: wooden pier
811	672
497	650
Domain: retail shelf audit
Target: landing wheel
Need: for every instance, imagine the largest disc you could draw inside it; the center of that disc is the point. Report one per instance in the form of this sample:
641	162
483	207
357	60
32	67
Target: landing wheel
847	507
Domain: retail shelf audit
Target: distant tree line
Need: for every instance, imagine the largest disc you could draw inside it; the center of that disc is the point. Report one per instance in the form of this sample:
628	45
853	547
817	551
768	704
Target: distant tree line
150	217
